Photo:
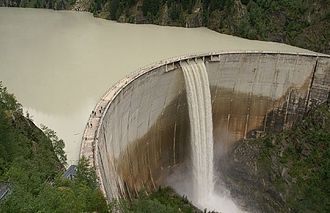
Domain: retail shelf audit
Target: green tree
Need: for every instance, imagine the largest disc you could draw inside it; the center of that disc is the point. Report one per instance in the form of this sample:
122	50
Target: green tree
58	144
8	101
28	162
151	7
86	174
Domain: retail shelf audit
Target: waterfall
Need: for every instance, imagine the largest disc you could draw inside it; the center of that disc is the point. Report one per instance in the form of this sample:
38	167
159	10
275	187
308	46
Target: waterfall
201	128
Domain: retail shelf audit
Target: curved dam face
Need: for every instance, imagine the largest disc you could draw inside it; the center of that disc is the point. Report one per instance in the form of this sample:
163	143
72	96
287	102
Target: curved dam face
139	131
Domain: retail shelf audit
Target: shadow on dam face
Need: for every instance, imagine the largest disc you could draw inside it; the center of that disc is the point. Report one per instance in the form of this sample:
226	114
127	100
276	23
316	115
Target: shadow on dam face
143	134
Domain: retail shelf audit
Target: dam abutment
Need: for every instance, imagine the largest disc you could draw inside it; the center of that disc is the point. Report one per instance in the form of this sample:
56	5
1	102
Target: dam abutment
140	127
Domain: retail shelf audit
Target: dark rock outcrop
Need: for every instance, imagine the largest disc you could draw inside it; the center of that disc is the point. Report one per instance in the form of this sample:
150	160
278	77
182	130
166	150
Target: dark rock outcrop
283	172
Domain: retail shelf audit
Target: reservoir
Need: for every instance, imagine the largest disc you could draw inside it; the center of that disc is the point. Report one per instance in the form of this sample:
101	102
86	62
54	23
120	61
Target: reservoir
59	63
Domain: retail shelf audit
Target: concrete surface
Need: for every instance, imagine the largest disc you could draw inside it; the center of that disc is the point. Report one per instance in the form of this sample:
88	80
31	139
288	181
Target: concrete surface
139	130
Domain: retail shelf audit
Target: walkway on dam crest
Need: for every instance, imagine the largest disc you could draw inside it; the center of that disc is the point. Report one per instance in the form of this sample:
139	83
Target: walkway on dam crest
90	136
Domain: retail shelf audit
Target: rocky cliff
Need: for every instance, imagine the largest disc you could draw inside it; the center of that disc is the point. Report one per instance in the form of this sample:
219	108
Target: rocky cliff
284	172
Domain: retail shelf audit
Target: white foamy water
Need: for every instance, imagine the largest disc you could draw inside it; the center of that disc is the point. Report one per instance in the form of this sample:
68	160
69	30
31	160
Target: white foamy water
201	140
59	63
200	115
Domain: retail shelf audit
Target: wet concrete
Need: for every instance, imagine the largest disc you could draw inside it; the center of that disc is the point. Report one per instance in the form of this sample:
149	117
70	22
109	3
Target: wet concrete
144	130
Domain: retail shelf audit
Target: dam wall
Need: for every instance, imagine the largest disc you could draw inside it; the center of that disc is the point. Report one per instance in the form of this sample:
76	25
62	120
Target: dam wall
138	133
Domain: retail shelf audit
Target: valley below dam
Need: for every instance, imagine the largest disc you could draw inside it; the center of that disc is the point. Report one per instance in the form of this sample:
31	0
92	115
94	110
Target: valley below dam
59	64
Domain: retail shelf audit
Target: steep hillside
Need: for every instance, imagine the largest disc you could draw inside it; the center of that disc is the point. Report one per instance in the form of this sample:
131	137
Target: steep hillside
32	165
49	4
22	143
286	172
303	23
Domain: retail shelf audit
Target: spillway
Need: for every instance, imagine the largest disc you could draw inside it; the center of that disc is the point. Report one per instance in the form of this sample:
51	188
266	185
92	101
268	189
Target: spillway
141	126
201	128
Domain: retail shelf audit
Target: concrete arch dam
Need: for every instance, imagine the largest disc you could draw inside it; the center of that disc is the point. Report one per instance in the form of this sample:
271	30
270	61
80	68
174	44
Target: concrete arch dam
139	131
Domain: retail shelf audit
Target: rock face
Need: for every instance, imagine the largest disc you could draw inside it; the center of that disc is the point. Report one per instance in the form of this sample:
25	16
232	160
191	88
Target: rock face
285	172
251	185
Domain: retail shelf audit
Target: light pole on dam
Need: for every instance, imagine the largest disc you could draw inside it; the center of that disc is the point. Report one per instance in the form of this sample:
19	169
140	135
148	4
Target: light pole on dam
139	130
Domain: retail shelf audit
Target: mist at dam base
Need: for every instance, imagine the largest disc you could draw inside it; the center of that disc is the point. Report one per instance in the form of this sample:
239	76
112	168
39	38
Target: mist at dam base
197	182
218	200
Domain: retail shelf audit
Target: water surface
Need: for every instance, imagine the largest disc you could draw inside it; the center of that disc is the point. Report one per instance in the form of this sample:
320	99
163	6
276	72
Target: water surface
59	63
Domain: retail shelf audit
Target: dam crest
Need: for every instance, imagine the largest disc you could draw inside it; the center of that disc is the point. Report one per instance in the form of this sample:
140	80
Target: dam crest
139	131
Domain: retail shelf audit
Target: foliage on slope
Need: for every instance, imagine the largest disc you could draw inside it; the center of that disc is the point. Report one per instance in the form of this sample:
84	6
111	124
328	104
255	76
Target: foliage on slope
164	200
49	4
31	162
302	23
22	145
285	172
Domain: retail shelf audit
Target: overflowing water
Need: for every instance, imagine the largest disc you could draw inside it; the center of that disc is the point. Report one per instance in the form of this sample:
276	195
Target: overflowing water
200	114
203	193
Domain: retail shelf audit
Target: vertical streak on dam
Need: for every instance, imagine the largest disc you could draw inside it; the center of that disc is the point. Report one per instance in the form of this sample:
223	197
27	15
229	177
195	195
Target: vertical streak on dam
201	128
143	133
